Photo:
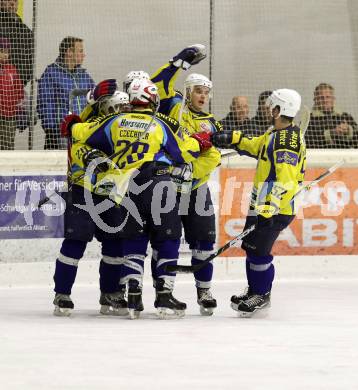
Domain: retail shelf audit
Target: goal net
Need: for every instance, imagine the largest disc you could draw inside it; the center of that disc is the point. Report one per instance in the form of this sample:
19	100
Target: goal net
253	47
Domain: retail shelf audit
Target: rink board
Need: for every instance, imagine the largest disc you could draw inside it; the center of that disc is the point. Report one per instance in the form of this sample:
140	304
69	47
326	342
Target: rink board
329	235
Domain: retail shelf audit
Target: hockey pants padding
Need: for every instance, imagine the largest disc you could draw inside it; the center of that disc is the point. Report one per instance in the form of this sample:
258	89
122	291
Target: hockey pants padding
165	253
201	250
67	264
111	265
134	252
260	273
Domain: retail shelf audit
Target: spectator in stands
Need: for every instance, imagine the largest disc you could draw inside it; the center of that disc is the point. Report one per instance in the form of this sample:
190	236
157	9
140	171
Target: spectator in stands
20	37
54	88
11	96
263	119
238	117
328	127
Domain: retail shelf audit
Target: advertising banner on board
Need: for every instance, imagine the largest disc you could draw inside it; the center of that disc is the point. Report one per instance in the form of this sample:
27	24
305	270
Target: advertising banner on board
19	215
326	223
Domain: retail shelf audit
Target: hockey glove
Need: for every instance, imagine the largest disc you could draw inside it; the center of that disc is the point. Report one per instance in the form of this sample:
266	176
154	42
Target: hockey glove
189	56
204	140
67	122
222	139
263	223
96	156
103	88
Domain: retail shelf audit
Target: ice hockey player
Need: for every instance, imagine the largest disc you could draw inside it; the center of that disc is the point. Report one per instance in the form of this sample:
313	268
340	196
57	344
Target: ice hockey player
92	109
147	142
80	228
280	171
198	222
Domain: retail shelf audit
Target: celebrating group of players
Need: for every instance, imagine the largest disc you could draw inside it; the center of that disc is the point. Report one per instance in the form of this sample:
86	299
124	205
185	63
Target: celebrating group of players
139	162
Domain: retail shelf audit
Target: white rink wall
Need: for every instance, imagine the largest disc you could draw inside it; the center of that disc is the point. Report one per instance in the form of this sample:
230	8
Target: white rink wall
31	262
329	268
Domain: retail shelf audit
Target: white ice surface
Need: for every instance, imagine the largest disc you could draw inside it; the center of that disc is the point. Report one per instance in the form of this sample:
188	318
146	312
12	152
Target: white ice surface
309	340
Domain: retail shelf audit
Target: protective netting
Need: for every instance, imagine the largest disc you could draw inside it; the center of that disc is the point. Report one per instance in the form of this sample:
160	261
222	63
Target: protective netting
253	47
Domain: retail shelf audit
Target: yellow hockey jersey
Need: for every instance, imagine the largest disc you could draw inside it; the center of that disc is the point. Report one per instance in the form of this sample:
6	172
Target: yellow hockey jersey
280	170
191	121
102	183
118	134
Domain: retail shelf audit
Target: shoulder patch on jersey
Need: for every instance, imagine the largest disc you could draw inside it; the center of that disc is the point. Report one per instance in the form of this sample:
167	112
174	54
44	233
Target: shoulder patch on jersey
288	140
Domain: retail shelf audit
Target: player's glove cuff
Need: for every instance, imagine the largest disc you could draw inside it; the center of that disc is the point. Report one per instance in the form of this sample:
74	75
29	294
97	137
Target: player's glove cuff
222	139
66	124
180	64
189	56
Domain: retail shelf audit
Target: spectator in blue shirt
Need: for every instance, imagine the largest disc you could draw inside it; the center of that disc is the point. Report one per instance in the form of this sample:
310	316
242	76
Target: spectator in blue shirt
54	88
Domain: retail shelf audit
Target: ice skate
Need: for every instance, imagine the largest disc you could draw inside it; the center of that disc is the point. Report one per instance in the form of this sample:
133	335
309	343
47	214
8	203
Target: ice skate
253	304
166	304
113	304
135	304
206	301
63	305
237	299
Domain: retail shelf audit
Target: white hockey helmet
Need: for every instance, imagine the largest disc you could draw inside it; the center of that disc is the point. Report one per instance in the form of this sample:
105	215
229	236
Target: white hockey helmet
195	79
134	74
143	92
113	104
288	100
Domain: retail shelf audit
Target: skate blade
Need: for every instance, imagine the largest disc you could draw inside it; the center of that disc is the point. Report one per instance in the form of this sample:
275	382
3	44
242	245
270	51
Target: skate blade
165	313
257	313
133	314
110	311
206	311
62	312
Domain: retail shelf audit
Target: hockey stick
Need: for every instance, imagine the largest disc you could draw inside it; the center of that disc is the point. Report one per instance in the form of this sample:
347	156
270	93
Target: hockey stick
183	102
230	154
73	94
187	269
305	119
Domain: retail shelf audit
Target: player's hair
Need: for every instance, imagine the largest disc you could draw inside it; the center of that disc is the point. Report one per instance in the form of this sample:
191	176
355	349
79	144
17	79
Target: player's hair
67	43
263	97
287	118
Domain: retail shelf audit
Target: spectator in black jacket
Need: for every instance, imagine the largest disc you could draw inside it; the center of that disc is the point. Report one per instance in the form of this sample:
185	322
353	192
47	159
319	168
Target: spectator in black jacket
263	119
329	127
21	38
238	117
